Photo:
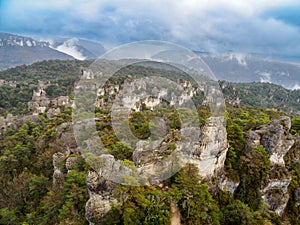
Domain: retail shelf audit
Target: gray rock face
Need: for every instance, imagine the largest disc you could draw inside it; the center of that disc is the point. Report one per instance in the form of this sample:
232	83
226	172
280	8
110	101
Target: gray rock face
93	180
97	207
276	195
277	141
253	139
207	153
112	169
71	162
101	192
15	122
227	185
41	103
156	160
58	175
211	153
52	112
63	161
151	152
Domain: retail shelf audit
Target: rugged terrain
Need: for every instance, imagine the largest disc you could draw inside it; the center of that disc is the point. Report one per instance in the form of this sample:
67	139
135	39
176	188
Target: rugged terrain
244	171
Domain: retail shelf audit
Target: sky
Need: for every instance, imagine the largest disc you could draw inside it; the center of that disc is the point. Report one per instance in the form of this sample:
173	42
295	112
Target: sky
256	26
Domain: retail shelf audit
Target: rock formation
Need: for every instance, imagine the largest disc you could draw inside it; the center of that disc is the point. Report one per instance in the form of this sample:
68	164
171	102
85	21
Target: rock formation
277	141
206	147
41	103
208	152
14	122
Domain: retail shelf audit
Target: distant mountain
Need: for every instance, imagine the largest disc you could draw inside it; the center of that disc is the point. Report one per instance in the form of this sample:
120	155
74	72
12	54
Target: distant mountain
230	66
237	67
17	50
78	48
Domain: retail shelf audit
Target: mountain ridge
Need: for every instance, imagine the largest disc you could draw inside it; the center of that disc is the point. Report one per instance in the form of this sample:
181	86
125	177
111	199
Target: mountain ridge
18	50
230	66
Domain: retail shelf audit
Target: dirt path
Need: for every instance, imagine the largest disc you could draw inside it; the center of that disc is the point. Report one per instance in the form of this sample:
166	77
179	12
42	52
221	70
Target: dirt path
175	215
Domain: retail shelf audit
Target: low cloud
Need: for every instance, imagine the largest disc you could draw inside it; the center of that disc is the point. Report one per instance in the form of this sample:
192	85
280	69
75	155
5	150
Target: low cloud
69	47
215	26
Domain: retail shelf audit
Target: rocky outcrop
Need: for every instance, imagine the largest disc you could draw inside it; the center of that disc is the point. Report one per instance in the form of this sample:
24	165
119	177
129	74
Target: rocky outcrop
12	84
274	137
210	155
65	157
59	173
41	103
276	195
227	185
139	94
14	40
101	199
277	141
14	122
154	160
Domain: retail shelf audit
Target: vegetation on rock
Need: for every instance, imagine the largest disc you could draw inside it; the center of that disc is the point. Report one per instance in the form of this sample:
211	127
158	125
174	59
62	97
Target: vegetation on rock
28	194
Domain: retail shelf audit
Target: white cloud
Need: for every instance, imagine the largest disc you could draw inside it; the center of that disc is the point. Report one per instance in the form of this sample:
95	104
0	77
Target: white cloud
69	47
296	87
265	77
214	25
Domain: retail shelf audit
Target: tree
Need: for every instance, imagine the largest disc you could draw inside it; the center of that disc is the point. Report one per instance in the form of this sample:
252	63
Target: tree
195	202
237	213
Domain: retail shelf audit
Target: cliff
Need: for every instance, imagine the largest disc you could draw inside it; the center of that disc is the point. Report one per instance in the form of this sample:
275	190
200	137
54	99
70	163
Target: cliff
176	173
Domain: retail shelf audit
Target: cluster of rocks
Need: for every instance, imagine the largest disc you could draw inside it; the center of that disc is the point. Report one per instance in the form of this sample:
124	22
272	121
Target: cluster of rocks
10	83
41	103
206	147
66	156
209	157
235	102
277	140
14	122
208	152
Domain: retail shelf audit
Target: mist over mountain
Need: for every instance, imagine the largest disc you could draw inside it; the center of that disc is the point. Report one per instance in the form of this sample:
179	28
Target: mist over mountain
241	68
230	66
17	50
78	48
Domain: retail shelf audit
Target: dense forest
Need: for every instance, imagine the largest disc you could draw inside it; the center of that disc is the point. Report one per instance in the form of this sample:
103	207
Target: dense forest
30	194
